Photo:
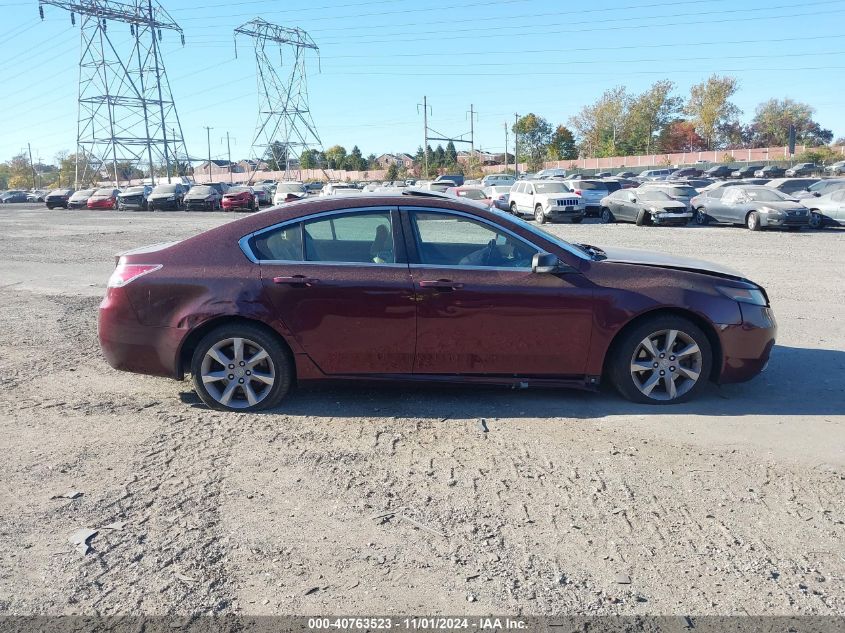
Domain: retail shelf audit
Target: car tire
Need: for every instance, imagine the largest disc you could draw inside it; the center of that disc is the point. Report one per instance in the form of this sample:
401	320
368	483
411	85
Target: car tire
539	216
607	216
211	378
49	208
816	220
514	209
643	218
631	370
752	221
701	217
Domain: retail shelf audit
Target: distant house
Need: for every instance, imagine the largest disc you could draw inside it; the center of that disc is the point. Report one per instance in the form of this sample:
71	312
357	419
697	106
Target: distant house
218	167
485	158
249	165
400	160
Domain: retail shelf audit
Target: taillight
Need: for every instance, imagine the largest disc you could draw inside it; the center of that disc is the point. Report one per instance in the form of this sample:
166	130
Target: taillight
124	273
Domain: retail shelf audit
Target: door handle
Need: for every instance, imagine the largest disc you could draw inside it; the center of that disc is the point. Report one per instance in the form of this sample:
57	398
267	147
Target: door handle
296	280
441	284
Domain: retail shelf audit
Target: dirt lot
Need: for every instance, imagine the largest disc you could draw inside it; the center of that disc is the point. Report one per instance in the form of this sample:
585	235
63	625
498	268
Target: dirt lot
571	503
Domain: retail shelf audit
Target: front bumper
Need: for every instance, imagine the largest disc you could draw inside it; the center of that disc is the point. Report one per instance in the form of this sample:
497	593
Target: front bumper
132	204
200	205
785	220
679	219
163	205
746	347
130	346
563	214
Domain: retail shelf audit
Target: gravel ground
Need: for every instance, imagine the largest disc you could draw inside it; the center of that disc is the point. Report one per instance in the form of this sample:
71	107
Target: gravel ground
363	500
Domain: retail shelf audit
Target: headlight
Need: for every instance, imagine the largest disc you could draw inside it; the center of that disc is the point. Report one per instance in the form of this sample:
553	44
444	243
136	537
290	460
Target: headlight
754	296
771	211
171	197
655	209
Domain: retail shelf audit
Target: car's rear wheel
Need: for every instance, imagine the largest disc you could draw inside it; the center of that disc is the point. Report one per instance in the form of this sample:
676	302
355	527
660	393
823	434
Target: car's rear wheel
241	368
663	360
701	217
607	216
752	221
816	220
539	215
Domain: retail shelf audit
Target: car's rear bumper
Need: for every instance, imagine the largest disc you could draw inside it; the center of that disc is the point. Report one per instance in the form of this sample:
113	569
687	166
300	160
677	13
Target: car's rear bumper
746	347
130	346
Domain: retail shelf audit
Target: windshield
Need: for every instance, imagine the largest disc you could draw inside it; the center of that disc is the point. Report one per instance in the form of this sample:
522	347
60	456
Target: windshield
290	187
532	228
134	190
551	187
766	195
60	192
681	191
653	195
202	190
165	189
104	192
85	193
237	189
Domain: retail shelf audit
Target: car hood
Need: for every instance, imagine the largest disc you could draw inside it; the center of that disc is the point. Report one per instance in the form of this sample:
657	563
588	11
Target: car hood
664	260
198	196
666	205
156	196
781	205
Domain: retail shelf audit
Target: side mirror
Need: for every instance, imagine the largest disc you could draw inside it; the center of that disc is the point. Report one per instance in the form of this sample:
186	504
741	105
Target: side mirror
545	263
817	194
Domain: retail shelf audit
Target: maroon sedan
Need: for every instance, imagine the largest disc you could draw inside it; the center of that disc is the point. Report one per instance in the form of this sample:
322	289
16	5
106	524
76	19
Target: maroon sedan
424	287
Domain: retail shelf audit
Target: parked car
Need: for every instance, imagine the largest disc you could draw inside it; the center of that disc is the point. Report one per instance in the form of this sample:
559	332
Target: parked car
58	198
438	185
754	206
498	180
602	174
821	188
263	195
79	199
746	171
675	190
644	206
654	174
289	191
458	179
134	198
219	187
37	196
241	197
836	169
546	201
13	195
103	198
545	174
167	197
686	172
470	193
342	188
770	171
591	191
625	174
655	326
203	198
500	196
719	171
827	210
791	185
697	183
803	169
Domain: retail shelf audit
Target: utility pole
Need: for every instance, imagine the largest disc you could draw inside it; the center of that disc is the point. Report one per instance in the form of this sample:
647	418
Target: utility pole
516	145
425	135
229	153
31	166
208	135
506	146
472	114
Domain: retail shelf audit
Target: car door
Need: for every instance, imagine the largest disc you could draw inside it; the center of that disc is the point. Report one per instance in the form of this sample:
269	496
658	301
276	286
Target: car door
732	207
715	203
529	198
482	311
622	202
339	281
836	208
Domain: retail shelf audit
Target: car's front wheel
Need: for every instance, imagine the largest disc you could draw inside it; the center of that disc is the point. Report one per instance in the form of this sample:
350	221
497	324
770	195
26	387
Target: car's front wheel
752	221
607	216
701	217
816	220
663	360
241	368
643	218
539	215
513	209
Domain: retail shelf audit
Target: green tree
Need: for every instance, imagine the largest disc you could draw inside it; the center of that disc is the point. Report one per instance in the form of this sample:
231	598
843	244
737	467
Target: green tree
438	160
711	109
562	145
772	118
601	125
649	113
19	172
392	172
535	134
371	161
335	156
451	158
355	161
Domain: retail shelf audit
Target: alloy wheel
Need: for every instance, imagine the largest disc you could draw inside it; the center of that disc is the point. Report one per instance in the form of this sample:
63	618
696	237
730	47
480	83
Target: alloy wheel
815	220
238	373
666	365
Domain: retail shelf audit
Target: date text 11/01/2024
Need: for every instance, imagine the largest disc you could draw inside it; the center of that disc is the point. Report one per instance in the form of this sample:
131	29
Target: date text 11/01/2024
417	623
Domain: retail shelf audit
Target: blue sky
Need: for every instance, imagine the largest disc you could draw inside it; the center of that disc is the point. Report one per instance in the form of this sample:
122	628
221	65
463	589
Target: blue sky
379	57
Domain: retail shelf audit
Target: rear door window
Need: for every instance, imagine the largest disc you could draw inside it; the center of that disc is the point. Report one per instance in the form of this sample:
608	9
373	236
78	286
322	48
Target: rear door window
350	238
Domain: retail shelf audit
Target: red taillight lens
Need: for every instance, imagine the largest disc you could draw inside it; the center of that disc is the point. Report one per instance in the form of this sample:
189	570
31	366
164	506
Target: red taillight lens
124	273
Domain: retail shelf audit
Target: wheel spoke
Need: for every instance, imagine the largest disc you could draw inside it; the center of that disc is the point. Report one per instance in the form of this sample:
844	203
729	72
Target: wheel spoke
641	365
256	358
219	356
226	396
692	348
671	335
648	346
214	376
649	385
238	349
267	379
669	384
688	372
250	394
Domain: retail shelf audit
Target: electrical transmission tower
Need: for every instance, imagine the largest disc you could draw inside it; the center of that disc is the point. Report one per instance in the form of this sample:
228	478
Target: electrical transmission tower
285	128
127	119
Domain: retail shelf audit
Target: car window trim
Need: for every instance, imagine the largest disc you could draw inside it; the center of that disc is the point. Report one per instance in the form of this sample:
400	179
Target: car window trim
414	256
398	241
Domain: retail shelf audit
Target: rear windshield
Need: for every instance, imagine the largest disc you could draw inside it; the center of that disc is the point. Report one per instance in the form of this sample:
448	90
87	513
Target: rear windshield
165	189
104	192
237	189
590	185
290	187
472	194
612	185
